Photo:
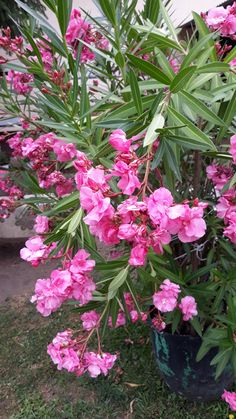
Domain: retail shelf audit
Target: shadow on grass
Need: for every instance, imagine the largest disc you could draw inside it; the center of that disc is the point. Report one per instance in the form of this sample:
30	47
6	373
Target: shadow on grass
31	387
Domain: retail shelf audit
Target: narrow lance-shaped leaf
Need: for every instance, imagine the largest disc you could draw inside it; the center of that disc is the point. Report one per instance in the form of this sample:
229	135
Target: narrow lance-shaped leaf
150	69
190	130
151	10
215	67
63	13
196	49
117	282
228	116
135	92
182	78
151	135
200	108
203	30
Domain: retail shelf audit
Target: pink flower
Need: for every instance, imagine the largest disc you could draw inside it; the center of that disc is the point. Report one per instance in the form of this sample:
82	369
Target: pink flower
20	82
64	151
80	264
82	289
129	180
127	231
134	316
106	230
159	324
138	255
228	27
174	65
95	203
166	299
233	147
226	205
230	231
158	238
99	364
233	63
216	17
187	222
219	175
188	307
120	321
61	282
157	205
90	320
230	398
35	250
119	141
41	224
47	301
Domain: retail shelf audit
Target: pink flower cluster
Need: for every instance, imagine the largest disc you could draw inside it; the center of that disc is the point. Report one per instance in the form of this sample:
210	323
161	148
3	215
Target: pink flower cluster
129	221
36	251
78	29
71	354
166	300
10	44
41	224
13	194
45	51
219	175
20	82
223	20
226	209
230	398
71	282
40	153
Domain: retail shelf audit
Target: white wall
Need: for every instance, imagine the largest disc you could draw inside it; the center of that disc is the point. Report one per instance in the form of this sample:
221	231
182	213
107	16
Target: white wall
181	8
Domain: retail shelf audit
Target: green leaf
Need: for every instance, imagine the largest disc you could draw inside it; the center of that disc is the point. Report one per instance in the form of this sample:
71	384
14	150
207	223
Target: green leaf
63	12
165	273
203	350
230	56
108	8
200	108
151	135
196	50
65	204
190	130
171	154
181	78
84	99
215	67
228	117
34	46
204	30
135	92
165	65
187	142
119	59
151	10
75	221
117	282
150	69
168	22
228	248
197	326
222	361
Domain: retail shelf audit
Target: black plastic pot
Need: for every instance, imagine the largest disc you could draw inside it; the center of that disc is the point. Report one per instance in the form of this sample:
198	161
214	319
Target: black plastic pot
176	360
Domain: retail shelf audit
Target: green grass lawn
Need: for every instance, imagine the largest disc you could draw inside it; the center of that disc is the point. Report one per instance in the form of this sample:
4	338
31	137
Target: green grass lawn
31	387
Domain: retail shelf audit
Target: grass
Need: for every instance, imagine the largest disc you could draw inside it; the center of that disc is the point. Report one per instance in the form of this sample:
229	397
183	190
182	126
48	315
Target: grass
32	388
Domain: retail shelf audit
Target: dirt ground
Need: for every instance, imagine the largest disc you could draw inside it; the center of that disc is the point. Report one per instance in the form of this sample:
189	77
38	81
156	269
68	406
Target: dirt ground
16	275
